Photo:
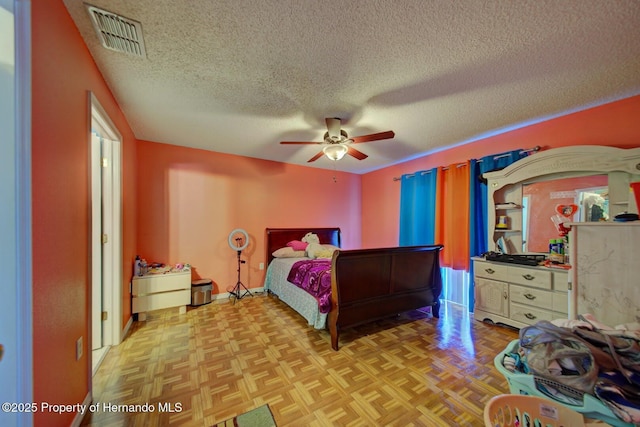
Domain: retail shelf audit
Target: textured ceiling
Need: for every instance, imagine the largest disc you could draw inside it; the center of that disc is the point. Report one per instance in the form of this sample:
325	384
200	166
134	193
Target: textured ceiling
239	76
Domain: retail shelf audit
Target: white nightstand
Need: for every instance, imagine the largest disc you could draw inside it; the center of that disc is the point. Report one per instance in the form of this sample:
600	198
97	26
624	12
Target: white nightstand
162	290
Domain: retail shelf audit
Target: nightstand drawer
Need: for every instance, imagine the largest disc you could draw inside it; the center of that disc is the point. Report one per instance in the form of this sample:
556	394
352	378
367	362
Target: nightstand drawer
150	284
161	300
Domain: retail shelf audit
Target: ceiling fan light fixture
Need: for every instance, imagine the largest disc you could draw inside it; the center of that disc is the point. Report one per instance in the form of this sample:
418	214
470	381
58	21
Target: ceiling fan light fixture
335	151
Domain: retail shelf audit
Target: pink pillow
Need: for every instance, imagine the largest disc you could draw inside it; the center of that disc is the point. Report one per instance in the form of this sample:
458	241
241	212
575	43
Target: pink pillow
297	245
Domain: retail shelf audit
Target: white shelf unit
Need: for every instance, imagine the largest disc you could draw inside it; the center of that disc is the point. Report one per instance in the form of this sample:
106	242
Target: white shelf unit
506	202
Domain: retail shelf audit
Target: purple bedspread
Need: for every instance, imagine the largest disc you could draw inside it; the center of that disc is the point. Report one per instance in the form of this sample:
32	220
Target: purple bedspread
314	276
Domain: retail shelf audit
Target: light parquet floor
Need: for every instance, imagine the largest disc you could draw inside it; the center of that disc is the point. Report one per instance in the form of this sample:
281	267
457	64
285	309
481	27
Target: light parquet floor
222	359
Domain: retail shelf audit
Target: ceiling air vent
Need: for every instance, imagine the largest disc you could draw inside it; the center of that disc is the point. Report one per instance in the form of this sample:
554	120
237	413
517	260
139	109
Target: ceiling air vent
117	32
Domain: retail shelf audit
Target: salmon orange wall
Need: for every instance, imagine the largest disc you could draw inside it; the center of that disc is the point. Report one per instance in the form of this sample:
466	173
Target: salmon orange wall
615	124
63	72
189	200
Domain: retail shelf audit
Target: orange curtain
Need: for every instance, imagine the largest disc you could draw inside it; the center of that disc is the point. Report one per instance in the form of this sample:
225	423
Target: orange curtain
452	215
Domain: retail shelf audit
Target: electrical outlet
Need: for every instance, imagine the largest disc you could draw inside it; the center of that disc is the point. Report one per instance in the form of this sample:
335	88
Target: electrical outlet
261	266
79	348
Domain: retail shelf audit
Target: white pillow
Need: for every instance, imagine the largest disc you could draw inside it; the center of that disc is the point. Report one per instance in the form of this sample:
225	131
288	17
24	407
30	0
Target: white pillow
288	252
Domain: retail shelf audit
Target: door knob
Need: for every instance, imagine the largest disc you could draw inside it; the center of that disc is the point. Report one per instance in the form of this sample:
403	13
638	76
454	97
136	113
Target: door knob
1	351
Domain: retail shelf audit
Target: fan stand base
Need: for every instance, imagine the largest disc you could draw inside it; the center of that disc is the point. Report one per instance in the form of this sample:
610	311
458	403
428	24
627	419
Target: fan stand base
239	290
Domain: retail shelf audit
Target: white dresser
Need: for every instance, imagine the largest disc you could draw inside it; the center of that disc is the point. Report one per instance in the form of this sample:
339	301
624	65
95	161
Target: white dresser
163	290
519	295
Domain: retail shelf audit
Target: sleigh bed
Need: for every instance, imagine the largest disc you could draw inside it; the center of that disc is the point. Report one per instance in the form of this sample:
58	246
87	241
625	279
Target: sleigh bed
366	284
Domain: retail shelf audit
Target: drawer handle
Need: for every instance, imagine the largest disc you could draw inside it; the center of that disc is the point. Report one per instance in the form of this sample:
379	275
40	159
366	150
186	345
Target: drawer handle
489	270
505	295
528	276
530	316
529	296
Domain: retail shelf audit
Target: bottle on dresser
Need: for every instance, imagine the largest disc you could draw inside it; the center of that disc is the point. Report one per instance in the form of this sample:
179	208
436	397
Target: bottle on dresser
136	266
556	251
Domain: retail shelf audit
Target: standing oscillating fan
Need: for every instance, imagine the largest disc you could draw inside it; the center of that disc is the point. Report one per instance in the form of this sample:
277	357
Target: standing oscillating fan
238	241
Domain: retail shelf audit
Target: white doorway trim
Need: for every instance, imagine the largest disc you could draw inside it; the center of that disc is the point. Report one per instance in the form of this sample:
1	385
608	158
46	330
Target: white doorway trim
111	256
96	244
16	334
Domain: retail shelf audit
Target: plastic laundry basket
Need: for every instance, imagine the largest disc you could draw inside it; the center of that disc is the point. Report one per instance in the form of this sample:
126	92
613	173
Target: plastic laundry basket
586	404
519	410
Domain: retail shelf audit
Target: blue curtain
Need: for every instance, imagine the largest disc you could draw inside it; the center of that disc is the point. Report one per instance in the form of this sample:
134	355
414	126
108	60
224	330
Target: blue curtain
479	205
418	208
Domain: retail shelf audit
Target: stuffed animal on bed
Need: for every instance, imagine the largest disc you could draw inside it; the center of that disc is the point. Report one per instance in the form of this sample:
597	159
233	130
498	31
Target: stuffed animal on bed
315	249
313	245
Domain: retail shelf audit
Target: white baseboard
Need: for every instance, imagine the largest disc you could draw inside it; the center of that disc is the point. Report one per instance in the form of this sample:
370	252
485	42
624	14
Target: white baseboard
77	420
96	363
125	331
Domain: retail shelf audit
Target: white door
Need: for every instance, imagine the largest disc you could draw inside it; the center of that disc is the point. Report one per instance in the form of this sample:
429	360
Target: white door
96	243
106	224
103	240
110	252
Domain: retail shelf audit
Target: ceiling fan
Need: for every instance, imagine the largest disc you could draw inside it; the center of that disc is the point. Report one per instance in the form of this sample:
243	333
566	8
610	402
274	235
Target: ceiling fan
337	143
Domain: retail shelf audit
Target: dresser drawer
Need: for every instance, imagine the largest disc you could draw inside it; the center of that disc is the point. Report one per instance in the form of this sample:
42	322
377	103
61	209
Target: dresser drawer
527	314
561	281
530	277
561	303
491	271
531	296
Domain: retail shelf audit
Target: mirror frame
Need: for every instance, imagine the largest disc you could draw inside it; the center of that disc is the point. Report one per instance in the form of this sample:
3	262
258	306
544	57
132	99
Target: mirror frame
568	161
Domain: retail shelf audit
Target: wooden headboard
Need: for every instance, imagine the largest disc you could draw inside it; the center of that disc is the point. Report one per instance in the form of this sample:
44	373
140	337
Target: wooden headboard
279	237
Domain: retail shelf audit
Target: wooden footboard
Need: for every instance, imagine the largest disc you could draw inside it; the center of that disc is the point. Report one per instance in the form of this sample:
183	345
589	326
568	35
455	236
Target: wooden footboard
370	284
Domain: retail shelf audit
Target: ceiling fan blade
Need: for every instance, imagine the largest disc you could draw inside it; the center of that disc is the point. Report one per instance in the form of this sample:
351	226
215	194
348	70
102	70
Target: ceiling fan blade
333	127
299	142
355	153
373	137
316	157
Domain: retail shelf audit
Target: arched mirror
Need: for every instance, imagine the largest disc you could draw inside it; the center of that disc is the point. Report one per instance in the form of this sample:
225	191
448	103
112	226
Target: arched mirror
528	199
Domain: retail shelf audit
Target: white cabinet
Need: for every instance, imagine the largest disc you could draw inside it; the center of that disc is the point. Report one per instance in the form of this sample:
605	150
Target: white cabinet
163	290
606	271
518	295
492	297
